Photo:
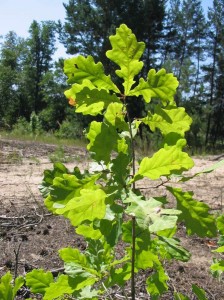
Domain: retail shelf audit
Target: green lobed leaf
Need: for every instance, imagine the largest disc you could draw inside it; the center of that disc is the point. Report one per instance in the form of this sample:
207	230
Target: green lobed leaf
173	138
220	224
93	101
90	205
77	88
219	249
88	231
111	230
121	275
179	296
150	214
221	240
217	268
103	139
70	254
76	263
207	170
164	162
160	85
80	68
113	210
143	243
194	213
101	255
164	222
156	284
121	168
88	293
49	175
172	249
19	282
74	269
145	259
214	167
127	233
199	292
6	290
115	115
39	280
126	52
122	146
68	186
66	285
169	119
169	233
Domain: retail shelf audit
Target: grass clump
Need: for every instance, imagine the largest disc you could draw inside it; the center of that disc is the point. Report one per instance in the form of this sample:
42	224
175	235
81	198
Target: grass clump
59	155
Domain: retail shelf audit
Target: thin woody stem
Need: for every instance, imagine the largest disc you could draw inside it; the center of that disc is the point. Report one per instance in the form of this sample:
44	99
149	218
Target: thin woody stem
132	141
133	217
133	260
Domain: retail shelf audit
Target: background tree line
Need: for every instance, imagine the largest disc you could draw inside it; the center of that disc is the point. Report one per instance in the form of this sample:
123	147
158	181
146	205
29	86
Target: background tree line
179	36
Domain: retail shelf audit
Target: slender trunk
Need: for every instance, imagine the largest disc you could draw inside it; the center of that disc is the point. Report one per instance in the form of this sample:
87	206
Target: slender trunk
198	69
133	260
181	60
133	217
211	92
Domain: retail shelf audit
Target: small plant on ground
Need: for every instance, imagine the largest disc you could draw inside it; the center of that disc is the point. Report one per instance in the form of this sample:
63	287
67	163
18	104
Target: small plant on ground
8	289
59	155
35	160
22	127
35	125
105	204
15	157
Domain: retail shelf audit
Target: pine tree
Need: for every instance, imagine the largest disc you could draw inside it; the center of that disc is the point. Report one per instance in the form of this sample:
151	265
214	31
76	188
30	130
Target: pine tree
11	54
88	24
184	43
53	85
214	74
38	61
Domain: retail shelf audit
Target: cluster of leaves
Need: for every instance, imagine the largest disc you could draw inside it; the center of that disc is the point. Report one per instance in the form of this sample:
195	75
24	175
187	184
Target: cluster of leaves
104	204
8	291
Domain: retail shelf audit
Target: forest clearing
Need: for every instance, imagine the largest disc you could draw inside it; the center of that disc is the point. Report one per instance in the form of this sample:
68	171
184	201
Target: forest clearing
30	232
128	210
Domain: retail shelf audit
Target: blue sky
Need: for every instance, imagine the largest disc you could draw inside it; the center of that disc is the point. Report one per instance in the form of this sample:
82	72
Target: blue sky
17	15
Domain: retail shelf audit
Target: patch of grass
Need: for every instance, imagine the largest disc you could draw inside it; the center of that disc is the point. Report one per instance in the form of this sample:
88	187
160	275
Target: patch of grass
59	155
47	138
14	157
35	160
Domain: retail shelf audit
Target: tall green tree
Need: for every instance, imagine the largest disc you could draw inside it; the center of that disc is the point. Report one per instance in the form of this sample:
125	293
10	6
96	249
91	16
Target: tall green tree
184	53
147	20
214	74
88	24
39	61
11	55
185	43
52	86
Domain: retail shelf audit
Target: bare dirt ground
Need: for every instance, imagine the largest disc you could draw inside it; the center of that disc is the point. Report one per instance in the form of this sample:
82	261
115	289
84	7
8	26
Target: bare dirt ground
30	233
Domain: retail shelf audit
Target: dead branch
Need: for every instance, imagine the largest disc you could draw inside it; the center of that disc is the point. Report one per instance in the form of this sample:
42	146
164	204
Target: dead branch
16	252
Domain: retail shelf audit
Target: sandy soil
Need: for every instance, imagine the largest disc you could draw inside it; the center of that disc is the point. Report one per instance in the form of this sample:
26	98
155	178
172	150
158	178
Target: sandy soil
29	231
